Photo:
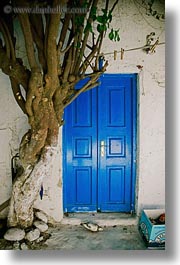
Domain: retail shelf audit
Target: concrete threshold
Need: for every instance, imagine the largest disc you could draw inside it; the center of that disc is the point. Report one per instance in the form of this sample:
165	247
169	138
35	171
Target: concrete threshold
102	219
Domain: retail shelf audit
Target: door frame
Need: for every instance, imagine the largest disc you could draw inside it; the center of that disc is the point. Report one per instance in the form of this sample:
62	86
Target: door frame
134	80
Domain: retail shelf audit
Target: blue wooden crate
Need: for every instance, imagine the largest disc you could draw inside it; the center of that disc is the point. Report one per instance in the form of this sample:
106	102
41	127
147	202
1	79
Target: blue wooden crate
153	234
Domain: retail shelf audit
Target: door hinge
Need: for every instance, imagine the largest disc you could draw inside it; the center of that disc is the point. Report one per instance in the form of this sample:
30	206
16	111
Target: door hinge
132	212
132	209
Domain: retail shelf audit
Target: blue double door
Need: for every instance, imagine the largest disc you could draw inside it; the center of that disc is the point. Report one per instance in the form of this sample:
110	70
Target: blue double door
99	146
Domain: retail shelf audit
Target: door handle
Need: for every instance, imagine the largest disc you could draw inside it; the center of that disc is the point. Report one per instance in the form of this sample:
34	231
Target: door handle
102	149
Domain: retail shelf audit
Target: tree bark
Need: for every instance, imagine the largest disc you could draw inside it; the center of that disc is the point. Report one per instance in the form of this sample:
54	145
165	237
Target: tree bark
26	189
37	149
57	61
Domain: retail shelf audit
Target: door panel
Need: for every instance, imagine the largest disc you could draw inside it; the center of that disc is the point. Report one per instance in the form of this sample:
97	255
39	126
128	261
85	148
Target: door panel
115	130
83	178
116	184
80	146
115	96
99	147
82	104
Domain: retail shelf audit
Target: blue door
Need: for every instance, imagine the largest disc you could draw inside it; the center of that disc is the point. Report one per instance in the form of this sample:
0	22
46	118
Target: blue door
99	145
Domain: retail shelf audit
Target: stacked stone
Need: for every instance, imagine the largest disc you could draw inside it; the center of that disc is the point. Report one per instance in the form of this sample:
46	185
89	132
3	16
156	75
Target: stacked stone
20	237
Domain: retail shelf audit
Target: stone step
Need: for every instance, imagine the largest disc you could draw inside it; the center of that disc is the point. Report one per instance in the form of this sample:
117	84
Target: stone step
102	219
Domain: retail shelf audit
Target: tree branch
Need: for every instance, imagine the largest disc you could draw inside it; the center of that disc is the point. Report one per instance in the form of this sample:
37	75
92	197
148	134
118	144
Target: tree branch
90	84
26	28
38	37
14	69
89	58
68	47
85	38
17	94
64	30
2	30
101	36
47	19
35	88
67	67
52	62
115	3
8	40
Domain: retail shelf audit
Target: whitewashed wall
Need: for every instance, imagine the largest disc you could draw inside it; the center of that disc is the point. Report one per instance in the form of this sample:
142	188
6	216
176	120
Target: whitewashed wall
134	26
13	125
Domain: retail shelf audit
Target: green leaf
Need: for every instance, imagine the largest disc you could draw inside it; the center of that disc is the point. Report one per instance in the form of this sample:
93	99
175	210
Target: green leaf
93	13
118	38
110	16
101	28
85	4
79	20
104	11
116	35
88	27
78	45
101	19
111	34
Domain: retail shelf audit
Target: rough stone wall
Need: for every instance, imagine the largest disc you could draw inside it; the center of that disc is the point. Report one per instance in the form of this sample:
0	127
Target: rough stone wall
134	26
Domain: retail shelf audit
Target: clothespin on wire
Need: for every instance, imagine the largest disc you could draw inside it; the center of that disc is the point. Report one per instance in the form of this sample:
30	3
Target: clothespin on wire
122	53
115	55
153	47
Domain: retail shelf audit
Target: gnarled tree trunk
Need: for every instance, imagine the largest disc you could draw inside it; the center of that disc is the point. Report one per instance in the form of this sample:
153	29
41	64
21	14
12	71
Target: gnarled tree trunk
26	189
60	48
37	149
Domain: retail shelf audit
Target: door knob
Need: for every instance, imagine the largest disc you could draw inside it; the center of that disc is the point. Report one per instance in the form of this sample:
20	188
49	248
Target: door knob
102	150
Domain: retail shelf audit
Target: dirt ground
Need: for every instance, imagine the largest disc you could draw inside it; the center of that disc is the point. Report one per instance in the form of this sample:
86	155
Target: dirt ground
76	237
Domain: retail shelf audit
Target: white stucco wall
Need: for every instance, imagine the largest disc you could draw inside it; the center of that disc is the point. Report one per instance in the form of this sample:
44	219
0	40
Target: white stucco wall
13	125
51	203
134	26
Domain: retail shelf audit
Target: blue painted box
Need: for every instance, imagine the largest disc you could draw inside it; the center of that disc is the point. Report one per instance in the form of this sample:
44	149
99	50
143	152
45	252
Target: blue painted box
154	234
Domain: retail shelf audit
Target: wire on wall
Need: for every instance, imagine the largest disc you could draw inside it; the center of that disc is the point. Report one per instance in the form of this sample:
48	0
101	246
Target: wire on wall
149	49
